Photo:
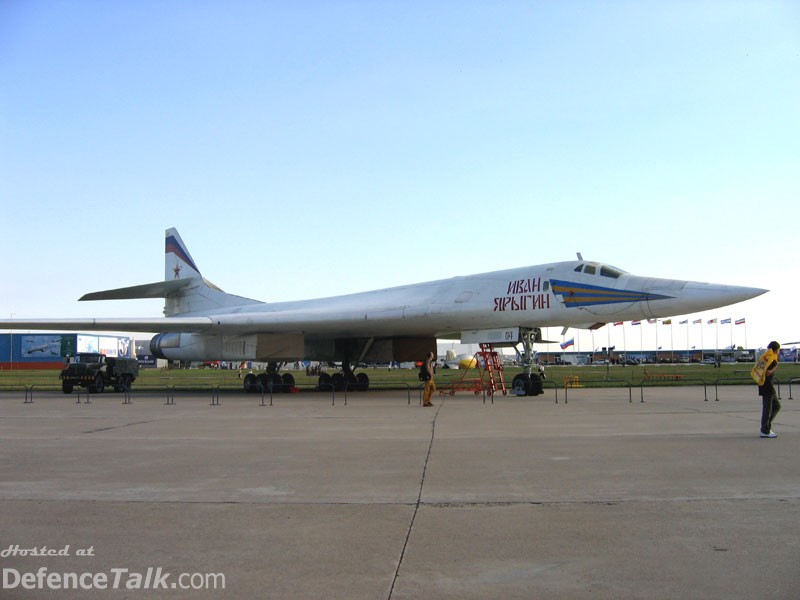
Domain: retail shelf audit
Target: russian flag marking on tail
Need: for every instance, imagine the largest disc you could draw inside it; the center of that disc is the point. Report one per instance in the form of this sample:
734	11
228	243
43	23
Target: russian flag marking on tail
174	245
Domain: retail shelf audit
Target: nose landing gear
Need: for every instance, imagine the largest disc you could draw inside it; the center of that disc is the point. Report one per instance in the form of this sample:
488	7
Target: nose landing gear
528	383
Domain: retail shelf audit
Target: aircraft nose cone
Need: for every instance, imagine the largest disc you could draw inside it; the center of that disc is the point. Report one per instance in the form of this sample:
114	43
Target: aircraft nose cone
675	296
706	296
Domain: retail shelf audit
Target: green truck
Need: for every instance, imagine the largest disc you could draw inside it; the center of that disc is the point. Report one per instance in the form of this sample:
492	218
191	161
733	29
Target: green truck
95	372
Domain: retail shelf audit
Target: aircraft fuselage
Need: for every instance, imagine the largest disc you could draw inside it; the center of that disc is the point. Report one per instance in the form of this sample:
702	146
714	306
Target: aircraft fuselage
558	294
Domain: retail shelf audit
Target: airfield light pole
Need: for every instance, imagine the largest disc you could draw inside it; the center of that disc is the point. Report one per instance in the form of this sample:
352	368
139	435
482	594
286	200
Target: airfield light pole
11	348
655	322
687	338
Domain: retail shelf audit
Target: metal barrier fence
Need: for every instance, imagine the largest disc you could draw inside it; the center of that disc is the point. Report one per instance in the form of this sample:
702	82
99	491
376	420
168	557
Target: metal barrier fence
373	384
83	396
654	384
791	381
600	383
739	381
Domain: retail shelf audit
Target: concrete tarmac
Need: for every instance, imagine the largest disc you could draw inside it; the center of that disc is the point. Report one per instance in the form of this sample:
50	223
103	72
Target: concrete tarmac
674	497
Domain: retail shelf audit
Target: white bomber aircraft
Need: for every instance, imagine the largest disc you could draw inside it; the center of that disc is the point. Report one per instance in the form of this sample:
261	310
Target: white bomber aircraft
402	323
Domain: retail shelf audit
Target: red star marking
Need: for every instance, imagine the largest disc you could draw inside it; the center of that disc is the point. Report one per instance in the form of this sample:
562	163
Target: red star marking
177	271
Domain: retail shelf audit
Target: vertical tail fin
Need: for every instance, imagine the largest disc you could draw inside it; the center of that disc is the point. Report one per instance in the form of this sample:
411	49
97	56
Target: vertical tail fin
178	263
185	290
199	295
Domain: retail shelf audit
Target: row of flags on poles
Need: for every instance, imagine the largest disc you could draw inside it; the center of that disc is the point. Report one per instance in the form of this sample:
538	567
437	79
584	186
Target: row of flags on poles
686	322
571	342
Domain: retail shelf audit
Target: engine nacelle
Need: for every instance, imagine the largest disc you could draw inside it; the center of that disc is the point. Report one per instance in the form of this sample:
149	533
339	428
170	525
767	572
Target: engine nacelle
286	347
199	346
186	346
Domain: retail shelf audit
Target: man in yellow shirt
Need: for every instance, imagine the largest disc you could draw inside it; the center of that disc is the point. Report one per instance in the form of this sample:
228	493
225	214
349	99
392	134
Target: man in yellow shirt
430	386
766	365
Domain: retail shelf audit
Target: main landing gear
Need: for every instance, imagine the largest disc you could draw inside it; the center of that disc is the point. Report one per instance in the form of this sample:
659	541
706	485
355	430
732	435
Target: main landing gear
269	381
345	379
527	383
272	381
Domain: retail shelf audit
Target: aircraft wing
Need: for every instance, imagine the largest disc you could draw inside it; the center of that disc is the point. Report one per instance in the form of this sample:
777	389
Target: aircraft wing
589	326
189	324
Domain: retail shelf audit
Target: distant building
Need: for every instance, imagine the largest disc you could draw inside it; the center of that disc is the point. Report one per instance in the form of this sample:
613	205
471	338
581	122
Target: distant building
50	350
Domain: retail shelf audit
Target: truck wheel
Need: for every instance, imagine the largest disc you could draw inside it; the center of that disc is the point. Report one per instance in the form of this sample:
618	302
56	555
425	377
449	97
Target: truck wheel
98	386
66	388
123	384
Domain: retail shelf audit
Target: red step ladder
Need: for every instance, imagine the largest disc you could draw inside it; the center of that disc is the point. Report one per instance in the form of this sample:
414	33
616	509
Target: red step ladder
493	367
488	363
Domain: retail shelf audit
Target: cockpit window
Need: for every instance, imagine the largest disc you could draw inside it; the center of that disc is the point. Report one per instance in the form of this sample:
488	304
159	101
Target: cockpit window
603	270
610	272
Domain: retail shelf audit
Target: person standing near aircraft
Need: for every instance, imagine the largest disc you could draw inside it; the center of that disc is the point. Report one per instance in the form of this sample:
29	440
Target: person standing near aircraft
762	374
430	386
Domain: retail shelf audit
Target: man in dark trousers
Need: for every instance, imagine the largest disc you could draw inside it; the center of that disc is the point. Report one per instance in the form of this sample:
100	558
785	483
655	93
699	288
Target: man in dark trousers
765	368
430	386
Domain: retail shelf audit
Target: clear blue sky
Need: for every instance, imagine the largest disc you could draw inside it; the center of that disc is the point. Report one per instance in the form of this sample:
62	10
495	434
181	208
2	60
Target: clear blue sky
297	146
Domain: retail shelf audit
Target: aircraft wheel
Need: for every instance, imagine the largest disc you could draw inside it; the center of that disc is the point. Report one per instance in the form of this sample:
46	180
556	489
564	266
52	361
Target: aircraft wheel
337	379
288	381
536	385
521	384
324	383
262	379
275	381
527	385
250	383
66	388
363	382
